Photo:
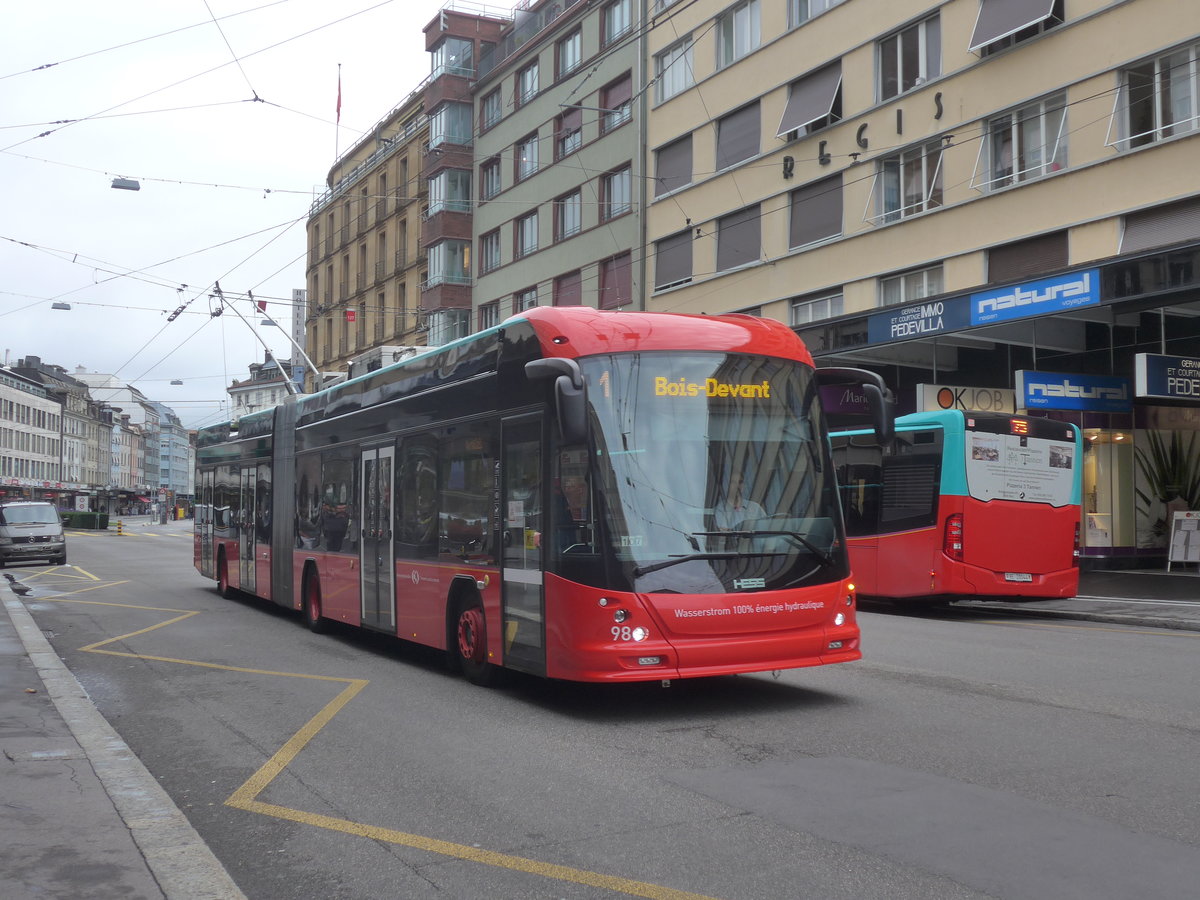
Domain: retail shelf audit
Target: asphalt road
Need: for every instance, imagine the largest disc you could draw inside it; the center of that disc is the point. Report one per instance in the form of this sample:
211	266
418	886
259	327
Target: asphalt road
966	756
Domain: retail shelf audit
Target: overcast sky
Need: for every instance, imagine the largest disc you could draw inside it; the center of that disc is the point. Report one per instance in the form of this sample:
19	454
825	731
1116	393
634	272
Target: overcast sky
229	126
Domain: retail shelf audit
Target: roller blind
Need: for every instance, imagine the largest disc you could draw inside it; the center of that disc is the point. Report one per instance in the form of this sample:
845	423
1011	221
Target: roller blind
737	136
816	212
673	259
673	165
1161	226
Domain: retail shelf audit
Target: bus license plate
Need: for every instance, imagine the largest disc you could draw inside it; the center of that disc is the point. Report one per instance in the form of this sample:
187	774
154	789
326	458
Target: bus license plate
1017	576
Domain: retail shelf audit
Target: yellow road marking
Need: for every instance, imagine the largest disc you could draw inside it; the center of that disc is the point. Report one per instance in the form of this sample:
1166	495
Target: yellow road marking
478	855
58	572
245	797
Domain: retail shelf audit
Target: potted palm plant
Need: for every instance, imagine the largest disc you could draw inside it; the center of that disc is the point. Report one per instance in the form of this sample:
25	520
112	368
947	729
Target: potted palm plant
1170	469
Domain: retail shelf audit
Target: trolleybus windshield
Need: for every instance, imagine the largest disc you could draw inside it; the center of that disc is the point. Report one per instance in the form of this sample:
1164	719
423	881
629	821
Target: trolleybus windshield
711	472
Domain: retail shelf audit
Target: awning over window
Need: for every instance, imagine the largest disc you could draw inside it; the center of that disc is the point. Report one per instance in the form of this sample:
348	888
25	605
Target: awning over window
142	499
1000	18
811	98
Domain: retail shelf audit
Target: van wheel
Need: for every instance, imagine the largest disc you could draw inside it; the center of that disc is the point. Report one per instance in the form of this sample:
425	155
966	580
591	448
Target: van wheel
471	643
316	622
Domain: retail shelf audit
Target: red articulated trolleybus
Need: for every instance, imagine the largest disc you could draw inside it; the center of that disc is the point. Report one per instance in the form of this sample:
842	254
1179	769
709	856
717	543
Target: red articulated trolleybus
576	494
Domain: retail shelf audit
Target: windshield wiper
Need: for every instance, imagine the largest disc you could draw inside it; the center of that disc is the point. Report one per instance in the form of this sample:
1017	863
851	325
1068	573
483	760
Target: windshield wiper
691	557
823	555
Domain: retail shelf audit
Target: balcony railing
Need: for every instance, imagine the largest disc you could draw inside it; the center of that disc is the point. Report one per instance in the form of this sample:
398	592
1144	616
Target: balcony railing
434	280
526	26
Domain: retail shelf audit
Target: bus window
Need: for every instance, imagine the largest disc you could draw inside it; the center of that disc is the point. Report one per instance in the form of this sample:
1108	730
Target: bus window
573	525
468	483
416	498
911	481
338	522
308	501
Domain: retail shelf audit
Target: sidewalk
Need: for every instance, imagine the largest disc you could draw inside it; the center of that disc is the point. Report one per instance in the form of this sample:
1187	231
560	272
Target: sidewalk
81	810
1150	598
83	817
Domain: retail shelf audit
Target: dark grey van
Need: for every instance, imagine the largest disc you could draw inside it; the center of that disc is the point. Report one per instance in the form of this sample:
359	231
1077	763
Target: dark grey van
30	530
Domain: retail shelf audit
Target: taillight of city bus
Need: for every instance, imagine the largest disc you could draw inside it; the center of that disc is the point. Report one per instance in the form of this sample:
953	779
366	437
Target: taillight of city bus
952	537
1076	550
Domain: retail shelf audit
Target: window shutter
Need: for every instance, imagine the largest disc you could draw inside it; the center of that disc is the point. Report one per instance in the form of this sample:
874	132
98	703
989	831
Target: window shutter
673	166
1172	223
673	259
737	136
738	238
1021	259
816	212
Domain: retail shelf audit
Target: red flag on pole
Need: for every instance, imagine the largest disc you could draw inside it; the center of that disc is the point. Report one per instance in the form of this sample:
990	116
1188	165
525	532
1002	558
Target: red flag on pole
262	305
339	100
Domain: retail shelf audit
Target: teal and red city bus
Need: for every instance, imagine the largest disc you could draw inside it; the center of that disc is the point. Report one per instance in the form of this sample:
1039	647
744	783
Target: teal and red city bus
543	496
962	504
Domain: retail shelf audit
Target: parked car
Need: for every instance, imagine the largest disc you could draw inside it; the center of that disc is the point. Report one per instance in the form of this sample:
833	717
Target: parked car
31	530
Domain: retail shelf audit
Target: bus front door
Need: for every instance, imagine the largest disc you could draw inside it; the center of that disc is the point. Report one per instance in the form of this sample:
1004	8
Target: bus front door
378	568
524	515
245	529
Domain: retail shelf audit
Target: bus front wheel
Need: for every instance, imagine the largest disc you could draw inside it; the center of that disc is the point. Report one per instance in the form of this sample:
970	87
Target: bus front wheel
471	643
223	587
313	618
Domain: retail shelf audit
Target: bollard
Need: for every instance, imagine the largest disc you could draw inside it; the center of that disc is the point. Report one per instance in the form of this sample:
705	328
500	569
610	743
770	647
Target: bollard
119	523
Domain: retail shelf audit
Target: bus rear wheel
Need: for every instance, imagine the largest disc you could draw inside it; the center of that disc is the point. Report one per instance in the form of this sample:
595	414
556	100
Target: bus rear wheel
471	643
313	618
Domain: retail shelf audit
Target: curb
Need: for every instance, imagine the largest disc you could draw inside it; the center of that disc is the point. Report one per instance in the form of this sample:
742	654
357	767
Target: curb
182	864
1141	621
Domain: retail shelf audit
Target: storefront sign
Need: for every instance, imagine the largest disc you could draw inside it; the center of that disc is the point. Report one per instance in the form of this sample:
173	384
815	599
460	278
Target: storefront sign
948	396
1169	377
1057	390
1034	298
917	320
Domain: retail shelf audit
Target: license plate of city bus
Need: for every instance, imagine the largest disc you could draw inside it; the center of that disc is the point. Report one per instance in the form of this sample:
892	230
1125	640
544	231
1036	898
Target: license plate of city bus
1017	576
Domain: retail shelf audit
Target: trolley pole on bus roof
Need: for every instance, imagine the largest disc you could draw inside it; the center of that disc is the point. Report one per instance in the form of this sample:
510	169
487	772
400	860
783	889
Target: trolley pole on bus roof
288	382
297	348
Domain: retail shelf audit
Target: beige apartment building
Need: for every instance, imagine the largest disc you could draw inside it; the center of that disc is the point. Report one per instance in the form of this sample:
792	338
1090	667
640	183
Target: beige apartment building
996	197
365	260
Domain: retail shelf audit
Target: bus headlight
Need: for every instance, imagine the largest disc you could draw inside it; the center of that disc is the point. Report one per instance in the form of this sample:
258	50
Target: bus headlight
620	615
640	633
839	619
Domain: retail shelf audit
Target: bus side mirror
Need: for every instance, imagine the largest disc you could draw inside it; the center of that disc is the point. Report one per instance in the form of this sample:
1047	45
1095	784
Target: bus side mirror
859	387
883	413
570	394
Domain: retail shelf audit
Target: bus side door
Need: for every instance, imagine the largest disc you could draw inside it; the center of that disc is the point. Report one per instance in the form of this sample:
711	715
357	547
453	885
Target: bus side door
203	523
378	568
248	516
522	507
